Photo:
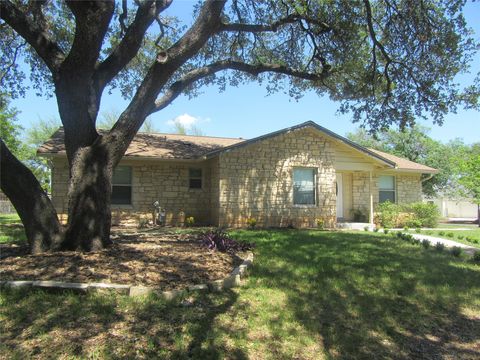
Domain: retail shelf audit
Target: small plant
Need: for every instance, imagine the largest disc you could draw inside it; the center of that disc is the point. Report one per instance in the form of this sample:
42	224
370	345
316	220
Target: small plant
476	256
475	241
366	228
251	222
219	240
415	241
439	246
399	234
426	243
450	235
320	224
386	231
441	233
456	251
190	221
376	229
460	237
142	223
418	230
428	232
406	228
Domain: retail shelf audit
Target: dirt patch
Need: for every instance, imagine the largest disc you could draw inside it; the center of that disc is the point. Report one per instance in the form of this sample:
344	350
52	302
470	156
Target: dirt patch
164	259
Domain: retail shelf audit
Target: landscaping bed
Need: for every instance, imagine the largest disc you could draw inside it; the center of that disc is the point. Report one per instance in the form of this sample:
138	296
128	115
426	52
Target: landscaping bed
165	259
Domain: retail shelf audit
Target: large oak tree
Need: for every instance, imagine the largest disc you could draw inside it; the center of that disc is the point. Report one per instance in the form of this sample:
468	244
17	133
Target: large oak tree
388	62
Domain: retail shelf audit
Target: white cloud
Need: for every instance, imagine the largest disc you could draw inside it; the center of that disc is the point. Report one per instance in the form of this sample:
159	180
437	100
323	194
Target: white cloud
186	120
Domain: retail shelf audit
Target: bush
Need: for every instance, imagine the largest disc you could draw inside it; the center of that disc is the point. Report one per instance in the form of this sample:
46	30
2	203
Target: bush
251	222
415	241
441	233
320	224
190	221
418	230
450	235
476	256
365	228
475	241
414	223
460	237
426	243
387	214
399	234
386	231
360	215
426	213
456	251
375	229
219	240
439	246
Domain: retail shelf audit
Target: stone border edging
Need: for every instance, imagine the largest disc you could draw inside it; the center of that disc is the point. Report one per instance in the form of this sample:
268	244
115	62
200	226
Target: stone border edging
231	281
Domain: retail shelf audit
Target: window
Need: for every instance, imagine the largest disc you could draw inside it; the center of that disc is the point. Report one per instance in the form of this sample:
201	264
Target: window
195	178
122	185
386	185
303	186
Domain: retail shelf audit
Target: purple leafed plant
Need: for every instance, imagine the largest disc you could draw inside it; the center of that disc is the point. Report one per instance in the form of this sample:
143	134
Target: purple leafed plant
219	240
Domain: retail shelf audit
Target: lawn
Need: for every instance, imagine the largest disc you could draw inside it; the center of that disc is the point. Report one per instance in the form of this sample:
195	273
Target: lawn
467	237
310	295
11	229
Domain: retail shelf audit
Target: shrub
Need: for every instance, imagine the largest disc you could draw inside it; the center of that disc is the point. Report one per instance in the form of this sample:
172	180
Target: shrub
375	229
251	222
386	231
413	223
418	230
426	243
219	240
426	214
415	241
476	256
428	232
406	228
450	235
456	251
387	214
439	246
366	228
399	234
320	224
475	241
460	237
190	221
360	215
441	233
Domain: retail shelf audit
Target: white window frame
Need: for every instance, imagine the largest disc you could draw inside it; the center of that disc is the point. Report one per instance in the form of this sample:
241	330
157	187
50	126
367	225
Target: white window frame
394	190
130	185
314	170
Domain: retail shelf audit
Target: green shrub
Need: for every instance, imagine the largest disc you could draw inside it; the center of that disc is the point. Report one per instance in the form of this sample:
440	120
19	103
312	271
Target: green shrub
429	232
387	214
320	224
476	256
365	228
406	228
475	241
456	251
450	235
360	215
386	231
375	229
426	214
426	243
439	246
460	237
190	221
441	233
418	230
413	223
399	234
251	222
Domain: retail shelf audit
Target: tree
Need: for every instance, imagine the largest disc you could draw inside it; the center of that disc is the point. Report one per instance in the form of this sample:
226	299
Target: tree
470	175
388	62
415	144
9	129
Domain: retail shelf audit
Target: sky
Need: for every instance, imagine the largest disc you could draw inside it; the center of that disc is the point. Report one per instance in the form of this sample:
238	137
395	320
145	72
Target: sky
246	111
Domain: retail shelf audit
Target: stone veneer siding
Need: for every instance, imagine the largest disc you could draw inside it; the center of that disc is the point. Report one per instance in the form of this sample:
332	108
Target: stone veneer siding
408	189
165	181
257	181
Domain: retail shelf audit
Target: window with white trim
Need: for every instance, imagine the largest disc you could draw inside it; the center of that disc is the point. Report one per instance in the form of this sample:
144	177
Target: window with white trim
122	185
195	178
386	186
304	186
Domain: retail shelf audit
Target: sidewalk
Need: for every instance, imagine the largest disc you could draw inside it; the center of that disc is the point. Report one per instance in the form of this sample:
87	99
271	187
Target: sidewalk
448	243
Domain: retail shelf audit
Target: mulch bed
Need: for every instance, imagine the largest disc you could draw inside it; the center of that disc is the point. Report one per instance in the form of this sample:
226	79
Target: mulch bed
164	259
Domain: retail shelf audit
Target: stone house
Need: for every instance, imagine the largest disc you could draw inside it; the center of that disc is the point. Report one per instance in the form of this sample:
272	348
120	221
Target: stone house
293	176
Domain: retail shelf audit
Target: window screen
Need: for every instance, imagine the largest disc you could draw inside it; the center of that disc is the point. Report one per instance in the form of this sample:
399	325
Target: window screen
195	178
122	185
386	185
304	186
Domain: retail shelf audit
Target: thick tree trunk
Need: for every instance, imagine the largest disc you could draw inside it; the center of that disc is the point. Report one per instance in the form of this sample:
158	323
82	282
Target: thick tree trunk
34	207
89	196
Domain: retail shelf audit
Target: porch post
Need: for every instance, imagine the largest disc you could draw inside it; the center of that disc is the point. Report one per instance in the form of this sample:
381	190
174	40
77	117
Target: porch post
371	199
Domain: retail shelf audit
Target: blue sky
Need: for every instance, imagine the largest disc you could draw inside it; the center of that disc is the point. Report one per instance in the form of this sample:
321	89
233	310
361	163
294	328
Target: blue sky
247	111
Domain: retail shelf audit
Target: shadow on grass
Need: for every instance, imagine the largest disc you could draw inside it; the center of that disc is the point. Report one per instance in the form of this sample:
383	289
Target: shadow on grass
373	297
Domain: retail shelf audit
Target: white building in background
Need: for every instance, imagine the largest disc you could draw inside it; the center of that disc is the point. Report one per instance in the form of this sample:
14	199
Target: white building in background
455	208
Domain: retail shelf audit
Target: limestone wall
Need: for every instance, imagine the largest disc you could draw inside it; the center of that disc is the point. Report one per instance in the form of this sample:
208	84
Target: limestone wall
257	181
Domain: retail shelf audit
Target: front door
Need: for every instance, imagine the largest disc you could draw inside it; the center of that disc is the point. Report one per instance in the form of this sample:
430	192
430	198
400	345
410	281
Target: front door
339	188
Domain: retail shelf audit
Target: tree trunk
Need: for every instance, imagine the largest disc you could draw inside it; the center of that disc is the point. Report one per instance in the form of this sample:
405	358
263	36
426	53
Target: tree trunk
34	207
89	196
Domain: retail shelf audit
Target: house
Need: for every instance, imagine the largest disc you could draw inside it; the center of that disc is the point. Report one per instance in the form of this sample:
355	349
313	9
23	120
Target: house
293	176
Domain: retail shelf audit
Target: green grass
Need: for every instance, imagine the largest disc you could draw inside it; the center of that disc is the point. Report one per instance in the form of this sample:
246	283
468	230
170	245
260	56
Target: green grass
310	295
11	229
467	237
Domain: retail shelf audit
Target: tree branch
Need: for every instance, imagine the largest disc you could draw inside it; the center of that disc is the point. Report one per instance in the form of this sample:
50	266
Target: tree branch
189	78
290	19
36	36
128	47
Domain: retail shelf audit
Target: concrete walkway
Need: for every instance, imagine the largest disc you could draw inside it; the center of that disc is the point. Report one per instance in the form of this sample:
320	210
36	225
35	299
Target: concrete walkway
448	243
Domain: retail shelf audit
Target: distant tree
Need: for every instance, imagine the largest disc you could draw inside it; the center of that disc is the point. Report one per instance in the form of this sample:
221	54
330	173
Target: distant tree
469	167
181	129
148	127
387	62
